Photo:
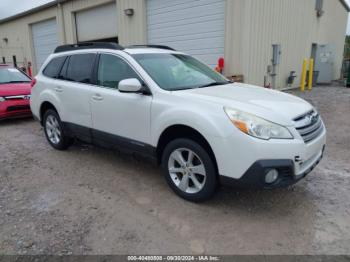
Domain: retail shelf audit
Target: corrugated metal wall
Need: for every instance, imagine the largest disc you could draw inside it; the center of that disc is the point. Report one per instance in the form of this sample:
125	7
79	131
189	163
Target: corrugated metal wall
193	27
256	25
90	23
332	28
130	30
252	26
19	35
45	40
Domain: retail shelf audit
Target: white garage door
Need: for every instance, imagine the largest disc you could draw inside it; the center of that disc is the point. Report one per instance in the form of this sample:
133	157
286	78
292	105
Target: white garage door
45	40
97	23
193	26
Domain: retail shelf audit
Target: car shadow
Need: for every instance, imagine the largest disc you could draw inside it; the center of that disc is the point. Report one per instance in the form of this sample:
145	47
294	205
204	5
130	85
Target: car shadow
246	216
142	172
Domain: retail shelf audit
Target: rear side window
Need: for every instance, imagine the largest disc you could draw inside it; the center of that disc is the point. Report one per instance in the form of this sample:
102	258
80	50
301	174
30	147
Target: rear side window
80	67
54	67
63	74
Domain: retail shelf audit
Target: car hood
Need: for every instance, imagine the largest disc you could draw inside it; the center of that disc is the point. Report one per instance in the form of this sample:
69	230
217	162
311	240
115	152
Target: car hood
15	89
272	105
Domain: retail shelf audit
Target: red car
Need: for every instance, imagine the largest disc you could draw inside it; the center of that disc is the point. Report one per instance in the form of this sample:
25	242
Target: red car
15	88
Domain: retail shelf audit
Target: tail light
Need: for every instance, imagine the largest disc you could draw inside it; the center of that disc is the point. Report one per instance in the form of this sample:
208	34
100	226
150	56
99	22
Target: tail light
33	82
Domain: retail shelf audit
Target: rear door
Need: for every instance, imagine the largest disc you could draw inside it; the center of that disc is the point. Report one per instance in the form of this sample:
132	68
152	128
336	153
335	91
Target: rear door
74	90
119	119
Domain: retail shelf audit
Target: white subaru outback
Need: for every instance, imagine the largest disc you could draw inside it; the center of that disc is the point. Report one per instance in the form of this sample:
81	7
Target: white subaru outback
201	128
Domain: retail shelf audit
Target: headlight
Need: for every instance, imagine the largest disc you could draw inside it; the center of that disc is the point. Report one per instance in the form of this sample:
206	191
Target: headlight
2	99
256	126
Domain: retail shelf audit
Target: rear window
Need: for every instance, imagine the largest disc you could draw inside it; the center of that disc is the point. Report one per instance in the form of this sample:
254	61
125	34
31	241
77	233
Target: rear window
80	67
53	68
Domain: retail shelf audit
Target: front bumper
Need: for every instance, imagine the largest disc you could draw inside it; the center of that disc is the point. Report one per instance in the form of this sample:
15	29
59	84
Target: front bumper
255	176
14	109
238	154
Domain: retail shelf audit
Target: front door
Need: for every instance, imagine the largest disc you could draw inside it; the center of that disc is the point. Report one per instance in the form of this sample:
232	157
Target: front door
119	119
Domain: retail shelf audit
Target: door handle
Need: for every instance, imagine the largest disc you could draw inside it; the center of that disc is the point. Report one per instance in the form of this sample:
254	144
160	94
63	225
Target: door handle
97	97
58	89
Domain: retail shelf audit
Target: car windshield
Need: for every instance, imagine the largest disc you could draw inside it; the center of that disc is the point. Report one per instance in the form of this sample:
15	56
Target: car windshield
12	75
174	72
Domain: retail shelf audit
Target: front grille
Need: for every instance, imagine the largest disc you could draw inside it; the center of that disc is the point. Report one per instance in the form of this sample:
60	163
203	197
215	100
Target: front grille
309	126
19	97
17	108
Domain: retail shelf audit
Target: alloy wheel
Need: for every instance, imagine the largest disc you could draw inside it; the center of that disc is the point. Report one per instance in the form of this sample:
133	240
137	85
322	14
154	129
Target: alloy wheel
53	129
187	170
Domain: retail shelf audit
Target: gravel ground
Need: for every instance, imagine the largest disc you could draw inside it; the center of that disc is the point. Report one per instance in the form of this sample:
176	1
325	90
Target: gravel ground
89	200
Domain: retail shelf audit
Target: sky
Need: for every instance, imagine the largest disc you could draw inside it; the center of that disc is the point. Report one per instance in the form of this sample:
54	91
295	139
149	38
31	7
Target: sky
12	7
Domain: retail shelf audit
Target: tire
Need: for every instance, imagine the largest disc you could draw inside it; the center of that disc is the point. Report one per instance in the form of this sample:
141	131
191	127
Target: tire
54	131
194	180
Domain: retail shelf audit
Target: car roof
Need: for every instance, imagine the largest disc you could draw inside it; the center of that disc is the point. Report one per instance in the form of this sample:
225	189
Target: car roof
130	51
133	51
88	47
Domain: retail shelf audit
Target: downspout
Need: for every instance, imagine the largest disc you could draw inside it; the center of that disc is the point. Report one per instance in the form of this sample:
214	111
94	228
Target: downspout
61	20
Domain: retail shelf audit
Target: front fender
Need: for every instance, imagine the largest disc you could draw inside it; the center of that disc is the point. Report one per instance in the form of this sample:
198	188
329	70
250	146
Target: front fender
210	125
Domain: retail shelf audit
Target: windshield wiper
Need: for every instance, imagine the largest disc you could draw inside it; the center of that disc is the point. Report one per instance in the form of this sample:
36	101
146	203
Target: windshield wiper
203	86
215	84
23	81
14	82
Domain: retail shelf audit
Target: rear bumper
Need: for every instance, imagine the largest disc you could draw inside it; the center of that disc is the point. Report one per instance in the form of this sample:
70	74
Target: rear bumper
254	178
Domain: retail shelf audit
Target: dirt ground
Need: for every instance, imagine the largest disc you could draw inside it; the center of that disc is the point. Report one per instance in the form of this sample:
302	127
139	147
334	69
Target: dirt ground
89	200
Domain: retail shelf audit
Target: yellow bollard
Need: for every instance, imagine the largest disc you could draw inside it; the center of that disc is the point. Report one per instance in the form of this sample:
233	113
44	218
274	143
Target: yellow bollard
303	76
311	74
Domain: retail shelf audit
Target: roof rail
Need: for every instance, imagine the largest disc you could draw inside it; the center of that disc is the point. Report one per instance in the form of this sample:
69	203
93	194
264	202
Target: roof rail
152	46
88	45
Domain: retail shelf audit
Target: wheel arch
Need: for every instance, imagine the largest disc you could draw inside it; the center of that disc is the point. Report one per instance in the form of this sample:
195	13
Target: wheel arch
46	105
183	131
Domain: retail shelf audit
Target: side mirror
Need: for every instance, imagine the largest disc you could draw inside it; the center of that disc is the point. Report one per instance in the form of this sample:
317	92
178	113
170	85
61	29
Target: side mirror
131	85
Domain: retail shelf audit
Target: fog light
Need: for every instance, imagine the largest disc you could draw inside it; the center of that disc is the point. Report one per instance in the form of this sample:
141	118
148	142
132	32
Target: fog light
271	176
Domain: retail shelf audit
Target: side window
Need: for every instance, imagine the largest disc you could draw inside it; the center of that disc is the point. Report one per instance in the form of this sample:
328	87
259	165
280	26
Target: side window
112	70
63	73
54	67
80	68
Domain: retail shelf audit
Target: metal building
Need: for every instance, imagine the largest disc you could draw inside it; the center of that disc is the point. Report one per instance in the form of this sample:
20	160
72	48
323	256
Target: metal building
263	40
